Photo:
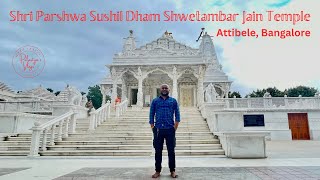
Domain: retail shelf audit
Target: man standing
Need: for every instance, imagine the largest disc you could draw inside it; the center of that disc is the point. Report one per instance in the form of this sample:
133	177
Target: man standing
164	108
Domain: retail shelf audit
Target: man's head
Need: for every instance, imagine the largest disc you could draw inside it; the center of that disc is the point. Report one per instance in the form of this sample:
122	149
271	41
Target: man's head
164	90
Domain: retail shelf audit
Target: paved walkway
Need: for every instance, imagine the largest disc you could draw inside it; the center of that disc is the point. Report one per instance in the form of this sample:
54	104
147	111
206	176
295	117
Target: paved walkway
287	160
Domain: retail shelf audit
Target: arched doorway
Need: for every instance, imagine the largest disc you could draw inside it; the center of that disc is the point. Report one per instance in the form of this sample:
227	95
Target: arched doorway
187	85
130	88
152	85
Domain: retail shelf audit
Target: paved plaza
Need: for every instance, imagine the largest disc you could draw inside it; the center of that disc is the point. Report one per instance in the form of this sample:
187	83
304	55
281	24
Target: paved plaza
287	160
200	173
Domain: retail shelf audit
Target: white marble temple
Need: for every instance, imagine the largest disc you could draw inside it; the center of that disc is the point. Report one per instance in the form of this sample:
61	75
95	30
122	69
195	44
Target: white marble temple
137	72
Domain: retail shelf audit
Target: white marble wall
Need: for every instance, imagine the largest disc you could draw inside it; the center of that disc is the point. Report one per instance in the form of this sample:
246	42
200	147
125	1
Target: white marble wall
314	125
20	122
61	109
225	121
276	122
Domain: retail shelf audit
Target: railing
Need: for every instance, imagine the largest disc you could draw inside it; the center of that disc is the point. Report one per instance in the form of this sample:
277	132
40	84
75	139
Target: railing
26	106
272	102
20	122
100	115
62	122
121	108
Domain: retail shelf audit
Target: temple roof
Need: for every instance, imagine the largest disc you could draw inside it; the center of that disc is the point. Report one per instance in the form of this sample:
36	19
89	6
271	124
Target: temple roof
166	51
65	94
5	88
165	46
108	80
39	92
166	41
215	74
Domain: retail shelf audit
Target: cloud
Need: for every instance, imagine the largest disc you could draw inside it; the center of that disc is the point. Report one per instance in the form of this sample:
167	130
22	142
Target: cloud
278	3
76	53
263	62
220	2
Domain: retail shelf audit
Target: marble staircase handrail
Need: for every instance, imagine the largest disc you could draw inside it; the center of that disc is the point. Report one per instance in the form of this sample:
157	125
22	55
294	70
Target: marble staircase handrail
62	122
98	116
121	108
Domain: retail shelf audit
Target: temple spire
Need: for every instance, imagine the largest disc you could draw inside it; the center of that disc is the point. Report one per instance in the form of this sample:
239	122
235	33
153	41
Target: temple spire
207	50
129	44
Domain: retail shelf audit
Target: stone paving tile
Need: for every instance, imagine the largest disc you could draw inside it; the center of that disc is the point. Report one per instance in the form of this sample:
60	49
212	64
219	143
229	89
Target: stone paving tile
201	173
4	171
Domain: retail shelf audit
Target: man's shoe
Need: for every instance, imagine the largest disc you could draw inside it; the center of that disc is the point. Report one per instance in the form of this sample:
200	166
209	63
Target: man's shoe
156	175
173	174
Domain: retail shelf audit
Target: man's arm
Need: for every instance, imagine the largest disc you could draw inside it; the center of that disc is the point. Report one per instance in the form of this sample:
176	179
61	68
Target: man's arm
176	124
152	114
177	115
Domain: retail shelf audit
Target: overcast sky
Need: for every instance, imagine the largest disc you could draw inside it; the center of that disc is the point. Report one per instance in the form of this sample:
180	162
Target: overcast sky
76	52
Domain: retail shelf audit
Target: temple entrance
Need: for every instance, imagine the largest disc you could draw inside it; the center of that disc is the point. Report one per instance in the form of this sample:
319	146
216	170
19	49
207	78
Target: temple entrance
134	95
186	97
158	92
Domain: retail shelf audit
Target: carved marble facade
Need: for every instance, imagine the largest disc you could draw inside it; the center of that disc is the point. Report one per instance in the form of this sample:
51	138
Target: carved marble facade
137	73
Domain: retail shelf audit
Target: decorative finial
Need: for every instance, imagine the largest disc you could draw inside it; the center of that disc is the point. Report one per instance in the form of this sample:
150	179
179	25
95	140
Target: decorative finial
202	29
167	34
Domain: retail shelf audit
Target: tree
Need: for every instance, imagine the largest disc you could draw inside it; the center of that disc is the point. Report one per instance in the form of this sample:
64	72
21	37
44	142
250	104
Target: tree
274	92
234	93
304	91
50	90
258	93
57	93
95	95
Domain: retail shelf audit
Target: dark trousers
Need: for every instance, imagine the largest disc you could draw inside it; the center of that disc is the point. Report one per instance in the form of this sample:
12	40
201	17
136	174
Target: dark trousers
159	135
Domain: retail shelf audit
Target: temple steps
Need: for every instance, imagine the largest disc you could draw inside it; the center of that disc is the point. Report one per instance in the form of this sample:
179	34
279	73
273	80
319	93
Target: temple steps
145	142
131	129
14	153
133	138
113	147
137	126
113	138
129	153
15	143
129	135
132	147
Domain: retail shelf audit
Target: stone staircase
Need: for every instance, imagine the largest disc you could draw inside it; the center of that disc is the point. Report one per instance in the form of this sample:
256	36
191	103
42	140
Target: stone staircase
129	135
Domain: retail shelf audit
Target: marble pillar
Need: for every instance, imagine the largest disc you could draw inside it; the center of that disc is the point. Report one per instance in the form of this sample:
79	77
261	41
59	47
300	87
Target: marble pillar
140	93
